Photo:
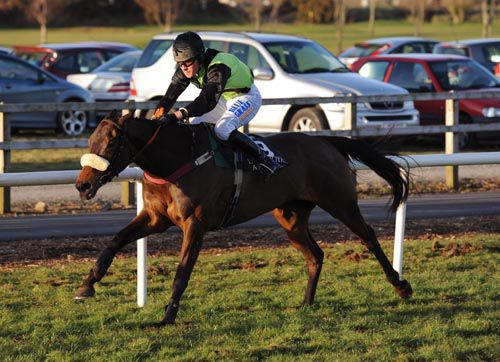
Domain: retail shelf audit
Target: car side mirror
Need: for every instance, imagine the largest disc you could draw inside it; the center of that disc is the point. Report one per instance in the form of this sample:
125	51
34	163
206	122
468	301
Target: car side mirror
263	74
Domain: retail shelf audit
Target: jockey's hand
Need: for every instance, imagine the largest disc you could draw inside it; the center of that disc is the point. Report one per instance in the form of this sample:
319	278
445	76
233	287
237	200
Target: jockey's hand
167	119
159	112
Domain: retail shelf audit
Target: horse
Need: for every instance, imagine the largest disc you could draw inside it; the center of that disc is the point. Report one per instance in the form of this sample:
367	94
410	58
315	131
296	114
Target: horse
318	174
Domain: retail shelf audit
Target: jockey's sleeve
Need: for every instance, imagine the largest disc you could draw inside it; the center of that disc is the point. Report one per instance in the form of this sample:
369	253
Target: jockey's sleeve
179	83
217	76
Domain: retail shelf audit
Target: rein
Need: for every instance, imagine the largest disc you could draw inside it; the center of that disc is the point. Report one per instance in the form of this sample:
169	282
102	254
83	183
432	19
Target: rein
109	173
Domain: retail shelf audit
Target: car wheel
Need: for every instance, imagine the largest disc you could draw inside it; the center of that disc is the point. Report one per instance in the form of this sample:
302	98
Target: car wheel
72	123
308	120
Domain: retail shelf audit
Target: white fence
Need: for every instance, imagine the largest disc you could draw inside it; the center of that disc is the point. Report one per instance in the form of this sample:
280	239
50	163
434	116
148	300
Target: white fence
135	174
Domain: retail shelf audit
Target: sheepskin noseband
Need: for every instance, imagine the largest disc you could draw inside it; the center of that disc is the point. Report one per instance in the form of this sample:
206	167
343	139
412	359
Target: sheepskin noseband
92	160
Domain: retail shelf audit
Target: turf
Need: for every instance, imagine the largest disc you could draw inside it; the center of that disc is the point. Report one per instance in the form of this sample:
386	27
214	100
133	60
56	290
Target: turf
245	305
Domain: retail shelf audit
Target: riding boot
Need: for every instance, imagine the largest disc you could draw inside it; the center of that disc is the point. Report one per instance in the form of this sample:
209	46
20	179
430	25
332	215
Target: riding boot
267	165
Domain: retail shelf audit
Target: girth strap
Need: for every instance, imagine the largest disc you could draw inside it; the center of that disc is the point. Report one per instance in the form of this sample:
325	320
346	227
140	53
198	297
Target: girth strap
238	180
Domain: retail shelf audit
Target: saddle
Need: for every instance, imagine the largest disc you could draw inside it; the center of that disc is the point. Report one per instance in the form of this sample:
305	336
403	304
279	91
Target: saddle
224	156
227	157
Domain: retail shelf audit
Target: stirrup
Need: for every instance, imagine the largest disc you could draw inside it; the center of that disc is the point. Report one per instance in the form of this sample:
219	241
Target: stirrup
267	166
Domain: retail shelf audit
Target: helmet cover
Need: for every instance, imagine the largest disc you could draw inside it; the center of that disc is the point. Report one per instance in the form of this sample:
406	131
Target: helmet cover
187	46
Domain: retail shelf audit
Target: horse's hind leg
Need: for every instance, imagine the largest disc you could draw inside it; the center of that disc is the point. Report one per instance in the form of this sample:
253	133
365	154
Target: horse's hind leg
351	216
139	227
294	219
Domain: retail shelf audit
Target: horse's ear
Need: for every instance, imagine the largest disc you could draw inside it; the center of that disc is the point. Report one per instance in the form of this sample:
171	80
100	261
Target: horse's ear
113	115
126	117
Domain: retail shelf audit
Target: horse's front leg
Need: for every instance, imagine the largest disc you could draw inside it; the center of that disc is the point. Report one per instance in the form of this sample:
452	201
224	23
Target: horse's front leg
191	246
139	227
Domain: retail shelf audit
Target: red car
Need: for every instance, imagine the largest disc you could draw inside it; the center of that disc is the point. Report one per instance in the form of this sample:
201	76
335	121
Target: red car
437	73
71	58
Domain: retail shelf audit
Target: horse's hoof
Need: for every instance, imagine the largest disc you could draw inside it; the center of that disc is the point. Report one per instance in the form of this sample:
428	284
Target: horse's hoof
85	292
404	289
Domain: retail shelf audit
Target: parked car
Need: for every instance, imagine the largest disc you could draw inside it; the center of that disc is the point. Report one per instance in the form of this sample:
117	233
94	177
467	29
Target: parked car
69	58
437	73
111	80
22	82
4	50
283	67
390	45
484	51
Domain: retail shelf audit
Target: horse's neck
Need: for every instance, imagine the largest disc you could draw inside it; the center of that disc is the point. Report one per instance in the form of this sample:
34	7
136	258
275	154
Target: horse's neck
169	150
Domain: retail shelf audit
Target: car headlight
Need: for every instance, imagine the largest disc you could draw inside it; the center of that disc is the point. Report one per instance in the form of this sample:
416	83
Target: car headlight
491	112
408	105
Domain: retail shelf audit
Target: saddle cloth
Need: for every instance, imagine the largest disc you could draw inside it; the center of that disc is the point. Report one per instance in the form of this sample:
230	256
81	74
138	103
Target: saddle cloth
224	154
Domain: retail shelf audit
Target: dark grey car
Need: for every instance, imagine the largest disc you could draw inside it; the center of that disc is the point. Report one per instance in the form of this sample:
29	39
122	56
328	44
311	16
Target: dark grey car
22	82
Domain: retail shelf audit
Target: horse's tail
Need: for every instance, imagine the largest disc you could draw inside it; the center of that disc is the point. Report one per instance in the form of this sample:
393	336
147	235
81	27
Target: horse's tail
396	175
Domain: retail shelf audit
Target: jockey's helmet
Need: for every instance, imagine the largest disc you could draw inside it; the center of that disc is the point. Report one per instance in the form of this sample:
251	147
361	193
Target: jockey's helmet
187	46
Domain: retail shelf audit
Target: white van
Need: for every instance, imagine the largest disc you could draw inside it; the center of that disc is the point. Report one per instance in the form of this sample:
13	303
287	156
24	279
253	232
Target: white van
284	67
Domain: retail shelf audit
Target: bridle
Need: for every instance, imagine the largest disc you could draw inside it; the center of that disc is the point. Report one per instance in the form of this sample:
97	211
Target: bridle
123	142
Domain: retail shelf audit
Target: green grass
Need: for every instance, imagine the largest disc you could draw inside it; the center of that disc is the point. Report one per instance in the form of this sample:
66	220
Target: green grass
232	311
46	160
323	33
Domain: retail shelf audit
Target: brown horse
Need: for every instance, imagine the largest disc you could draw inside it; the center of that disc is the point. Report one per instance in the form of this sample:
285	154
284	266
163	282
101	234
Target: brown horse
318	174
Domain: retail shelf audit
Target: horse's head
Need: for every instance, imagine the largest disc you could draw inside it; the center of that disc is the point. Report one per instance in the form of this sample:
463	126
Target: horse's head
109	153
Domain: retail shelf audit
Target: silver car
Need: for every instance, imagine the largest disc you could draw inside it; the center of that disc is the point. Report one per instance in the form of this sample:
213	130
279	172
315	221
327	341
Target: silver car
284	67
22	82
110	81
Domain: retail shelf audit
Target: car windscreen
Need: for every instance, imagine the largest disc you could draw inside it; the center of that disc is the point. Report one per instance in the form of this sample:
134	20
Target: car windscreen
154	50
122	63
453	50
304	57
361	50
492	53
32	57
462	74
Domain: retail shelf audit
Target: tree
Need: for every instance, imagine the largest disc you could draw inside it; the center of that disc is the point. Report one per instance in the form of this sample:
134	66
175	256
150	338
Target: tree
340	15
457	10
42	11
418	12
371	26
487	14
162	12
275	7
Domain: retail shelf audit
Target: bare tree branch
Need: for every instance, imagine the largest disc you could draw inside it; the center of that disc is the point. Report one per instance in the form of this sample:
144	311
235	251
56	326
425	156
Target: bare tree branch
162	12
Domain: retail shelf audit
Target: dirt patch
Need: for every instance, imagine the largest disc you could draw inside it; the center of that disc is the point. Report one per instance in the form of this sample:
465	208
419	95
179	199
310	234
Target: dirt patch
454	249
57	250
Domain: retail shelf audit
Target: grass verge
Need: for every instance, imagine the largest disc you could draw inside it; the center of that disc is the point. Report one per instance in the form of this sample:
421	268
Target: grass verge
245	305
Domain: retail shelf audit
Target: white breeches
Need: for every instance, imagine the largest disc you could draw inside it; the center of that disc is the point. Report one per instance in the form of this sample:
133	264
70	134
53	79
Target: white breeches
232	114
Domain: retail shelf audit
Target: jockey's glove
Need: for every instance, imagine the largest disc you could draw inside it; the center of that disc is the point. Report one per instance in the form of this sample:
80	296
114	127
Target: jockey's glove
167	119
159	112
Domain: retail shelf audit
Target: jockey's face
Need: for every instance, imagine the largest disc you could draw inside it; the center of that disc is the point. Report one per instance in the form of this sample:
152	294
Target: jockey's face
189	67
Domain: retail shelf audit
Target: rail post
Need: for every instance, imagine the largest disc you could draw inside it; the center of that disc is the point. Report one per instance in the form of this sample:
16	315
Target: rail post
451	142
127	193
350	123
350	115
399	236
142	253
4	161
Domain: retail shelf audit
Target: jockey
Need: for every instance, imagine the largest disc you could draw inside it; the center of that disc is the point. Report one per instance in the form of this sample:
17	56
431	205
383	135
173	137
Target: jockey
228	97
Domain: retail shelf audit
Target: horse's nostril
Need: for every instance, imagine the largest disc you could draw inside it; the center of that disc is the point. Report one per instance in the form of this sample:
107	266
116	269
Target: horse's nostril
82	186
